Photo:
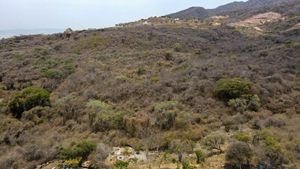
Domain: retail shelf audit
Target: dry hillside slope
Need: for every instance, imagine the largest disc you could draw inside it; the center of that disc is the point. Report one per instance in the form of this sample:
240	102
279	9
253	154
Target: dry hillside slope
162	94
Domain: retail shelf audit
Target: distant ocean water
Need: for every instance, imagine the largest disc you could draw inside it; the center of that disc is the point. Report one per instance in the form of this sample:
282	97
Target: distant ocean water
18	32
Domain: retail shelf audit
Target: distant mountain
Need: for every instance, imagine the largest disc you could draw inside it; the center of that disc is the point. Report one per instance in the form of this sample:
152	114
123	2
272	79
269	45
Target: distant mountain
231	9
193	12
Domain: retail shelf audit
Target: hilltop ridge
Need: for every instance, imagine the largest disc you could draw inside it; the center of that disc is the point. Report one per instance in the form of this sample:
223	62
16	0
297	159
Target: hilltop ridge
233	9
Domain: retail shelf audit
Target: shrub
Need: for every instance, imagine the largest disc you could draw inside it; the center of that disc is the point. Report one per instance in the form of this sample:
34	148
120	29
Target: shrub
123	78
98	106
51	73
36	114
277	120
200	156
183	119
232	88
137	126
165	120
168	55
239	105
27	99
214	141
154	78
254	103
243	137
271	149
263	137
72	162
141	71
102	152
186	165
177	47
78	151
121	164
165	106
245	102
180	146
239	154
165	114
105	121
102	117
69	107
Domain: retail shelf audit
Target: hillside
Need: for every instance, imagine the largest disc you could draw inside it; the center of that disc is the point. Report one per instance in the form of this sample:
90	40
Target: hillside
156	93
238	10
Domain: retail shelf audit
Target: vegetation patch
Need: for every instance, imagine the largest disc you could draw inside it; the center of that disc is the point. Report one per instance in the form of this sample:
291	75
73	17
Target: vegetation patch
121	164
245	102
102	117
239	154
55	69
177	47
232	88
27	99
77	153
242	136
214	142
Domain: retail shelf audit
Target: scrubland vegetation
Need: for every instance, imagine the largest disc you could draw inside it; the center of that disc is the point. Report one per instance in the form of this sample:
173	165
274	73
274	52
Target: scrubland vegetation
186	94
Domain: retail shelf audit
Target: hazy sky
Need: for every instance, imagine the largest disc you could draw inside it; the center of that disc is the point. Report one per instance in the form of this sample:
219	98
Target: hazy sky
81	14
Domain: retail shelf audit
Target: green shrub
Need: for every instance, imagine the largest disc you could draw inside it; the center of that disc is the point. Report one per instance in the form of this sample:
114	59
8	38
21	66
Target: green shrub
54	68
154	78
239	154
245	102
267	140
78	151
166	120
186	165
168	55
230	124
37	114
98	106
102	117
183	119
177	47
200	156
243	137
232	88
88	43
141	71
72	163
165	106
166	115
27	99
238	104
271	149
51	73
121	164
254	103
123	78
214	141
105	121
